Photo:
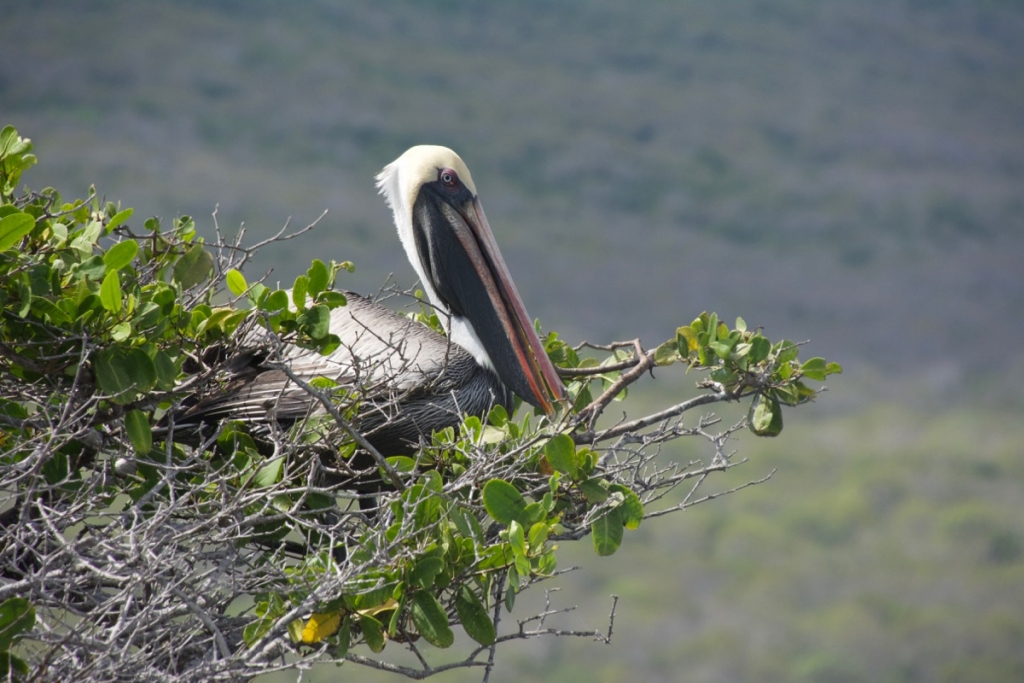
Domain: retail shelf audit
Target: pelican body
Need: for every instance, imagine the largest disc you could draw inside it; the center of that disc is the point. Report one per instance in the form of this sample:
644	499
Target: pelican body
410	379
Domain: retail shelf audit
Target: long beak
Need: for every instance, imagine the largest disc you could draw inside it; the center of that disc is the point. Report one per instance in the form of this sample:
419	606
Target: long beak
494	308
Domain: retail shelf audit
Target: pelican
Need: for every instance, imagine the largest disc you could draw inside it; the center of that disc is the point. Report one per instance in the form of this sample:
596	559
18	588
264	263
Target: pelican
410	379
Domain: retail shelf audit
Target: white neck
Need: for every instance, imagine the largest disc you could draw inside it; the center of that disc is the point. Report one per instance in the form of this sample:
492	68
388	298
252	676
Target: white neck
398	198
463	334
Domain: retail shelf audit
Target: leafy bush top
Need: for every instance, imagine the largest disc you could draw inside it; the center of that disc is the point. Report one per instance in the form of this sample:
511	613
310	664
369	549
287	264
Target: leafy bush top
132	552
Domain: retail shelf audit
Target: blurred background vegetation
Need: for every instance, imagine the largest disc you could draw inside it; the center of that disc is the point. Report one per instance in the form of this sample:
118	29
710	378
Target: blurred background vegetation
848	173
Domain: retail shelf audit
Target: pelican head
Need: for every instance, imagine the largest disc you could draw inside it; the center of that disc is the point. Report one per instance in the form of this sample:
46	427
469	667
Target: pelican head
448	241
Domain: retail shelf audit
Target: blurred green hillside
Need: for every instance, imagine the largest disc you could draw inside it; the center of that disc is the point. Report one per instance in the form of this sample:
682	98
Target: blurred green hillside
849	173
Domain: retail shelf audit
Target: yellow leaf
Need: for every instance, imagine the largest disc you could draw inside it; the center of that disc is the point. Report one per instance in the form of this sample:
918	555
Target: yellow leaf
388	604
321	625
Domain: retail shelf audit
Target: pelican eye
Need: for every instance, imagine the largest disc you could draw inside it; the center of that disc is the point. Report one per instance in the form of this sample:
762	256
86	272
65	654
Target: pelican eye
448	177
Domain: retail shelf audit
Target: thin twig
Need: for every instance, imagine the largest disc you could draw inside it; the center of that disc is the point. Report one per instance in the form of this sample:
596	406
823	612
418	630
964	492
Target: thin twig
645	361
632	426
333	411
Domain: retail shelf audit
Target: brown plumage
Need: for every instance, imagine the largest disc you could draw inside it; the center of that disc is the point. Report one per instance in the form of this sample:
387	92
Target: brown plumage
409	379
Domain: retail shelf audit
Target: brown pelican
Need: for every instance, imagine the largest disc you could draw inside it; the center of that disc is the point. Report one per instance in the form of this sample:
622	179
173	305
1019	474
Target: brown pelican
411	379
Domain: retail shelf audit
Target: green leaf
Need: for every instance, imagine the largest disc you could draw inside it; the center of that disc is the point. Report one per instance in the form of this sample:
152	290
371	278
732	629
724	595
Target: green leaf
13	228
193	267
318	276
426	507
332	299
425	570
595	489
376	587
269	474
110	292
120	255
119	372
373	632
12	667
299	289
121	331
316	320
402	463
60	233
275	301
803	392
531	514
344	637
47	309
236	282
262	626
458	518
517	538
687	340
503	502
295	629
538	535
431	620
119	218
511	589
17	617
785	371
818	369
631	510
722	349
759	349
14	158
93	267
474	617
765	416
667	353
561	454
607	532
546	564
166	370
786	351
522	565
11	144
139	431
814	369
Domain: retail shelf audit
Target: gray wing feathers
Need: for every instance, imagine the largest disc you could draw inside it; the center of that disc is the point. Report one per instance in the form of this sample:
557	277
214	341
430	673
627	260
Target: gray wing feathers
383	355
